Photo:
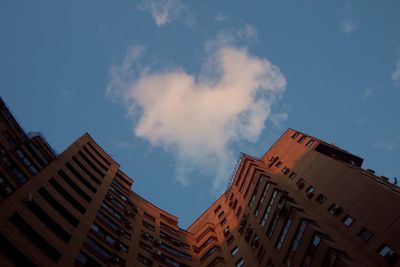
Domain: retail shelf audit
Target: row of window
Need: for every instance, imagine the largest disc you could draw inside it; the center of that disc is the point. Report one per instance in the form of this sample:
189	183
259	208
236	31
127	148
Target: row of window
309	144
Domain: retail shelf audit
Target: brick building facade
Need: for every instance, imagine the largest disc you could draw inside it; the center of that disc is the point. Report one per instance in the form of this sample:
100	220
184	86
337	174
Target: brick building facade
304	203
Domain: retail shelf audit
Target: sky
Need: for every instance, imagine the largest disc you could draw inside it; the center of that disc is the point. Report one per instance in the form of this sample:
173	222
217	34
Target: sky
175	90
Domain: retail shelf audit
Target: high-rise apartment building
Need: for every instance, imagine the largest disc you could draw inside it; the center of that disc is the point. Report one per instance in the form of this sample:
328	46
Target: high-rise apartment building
304	203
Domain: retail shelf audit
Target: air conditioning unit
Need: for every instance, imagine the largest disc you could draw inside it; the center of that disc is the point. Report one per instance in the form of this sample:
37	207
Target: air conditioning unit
129	225
135	209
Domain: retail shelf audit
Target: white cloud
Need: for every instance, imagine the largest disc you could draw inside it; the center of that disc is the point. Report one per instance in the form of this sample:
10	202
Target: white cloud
349	25
221	17
198	117
396	72
230	37
165	11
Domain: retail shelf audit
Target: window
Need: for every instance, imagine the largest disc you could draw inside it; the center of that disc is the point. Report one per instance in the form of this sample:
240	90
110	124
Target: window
64	193
91	164
14	169
217	209
234	251
294	136
321	198
149	226
278	164
365	235
221	214
95	159
58	207
335	209
74	186
310	143
209	252
148	216
331	258
262	198
310	191
388	253
347	220
99	154
14	254
301	140
240	263
5	188
292	175
268	208
85	170
48	221
296	241
301	183
284	231
98	249
230	240
84	260
285	170
238	212
224	221
311	250
80	177
260	254
27	230
28	163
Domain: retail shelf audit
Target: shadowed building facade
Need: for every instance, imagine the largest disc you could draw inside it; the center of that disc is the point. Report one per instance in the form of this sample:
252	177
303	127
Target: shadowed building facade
304	203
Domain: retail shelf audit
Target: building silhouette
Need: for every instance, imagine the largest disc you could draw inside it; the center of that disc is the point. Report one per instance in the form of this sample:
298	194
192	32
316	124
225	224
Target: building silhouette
303	203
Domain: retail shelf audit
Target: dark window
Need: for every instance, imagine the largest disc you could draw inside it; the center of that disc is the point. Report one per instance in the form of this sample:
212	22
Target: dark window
311	250
331	258
5	188
217	209
294	136
97	249
83	168
64	193
113	212
224	221
209	252
149	226
285	170
262	198
99	154
238	212
230	240
91	164
58	207
221	214
148	216
285	230
95	159
321	198
310	143
292	175
9	139
348	220
278	164
81	178
335	209
84	260
296	241
301	140
74	186
27	162
365	235
268	208
14	169
144	260
35	237
48	221
38	153
14	254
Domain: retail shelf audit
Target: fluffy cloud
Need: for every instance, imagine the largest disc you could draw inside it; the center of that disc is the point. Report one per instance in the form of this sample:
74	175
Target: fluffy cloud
349	25
198	117
396	72
163	11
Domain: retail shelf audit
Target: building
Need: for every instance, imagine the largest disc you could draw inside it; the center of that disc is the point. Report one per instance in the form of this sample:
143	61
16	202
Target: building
304	203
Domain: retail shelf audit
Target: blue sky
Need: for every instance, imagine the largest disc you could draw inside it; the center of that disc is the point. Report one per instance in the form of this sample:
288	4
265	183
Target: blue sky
175	89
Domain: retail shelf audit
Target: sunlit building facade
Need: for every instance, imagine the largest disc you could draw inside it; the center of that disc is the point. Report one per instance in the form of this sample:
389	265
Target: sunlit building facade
303	203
